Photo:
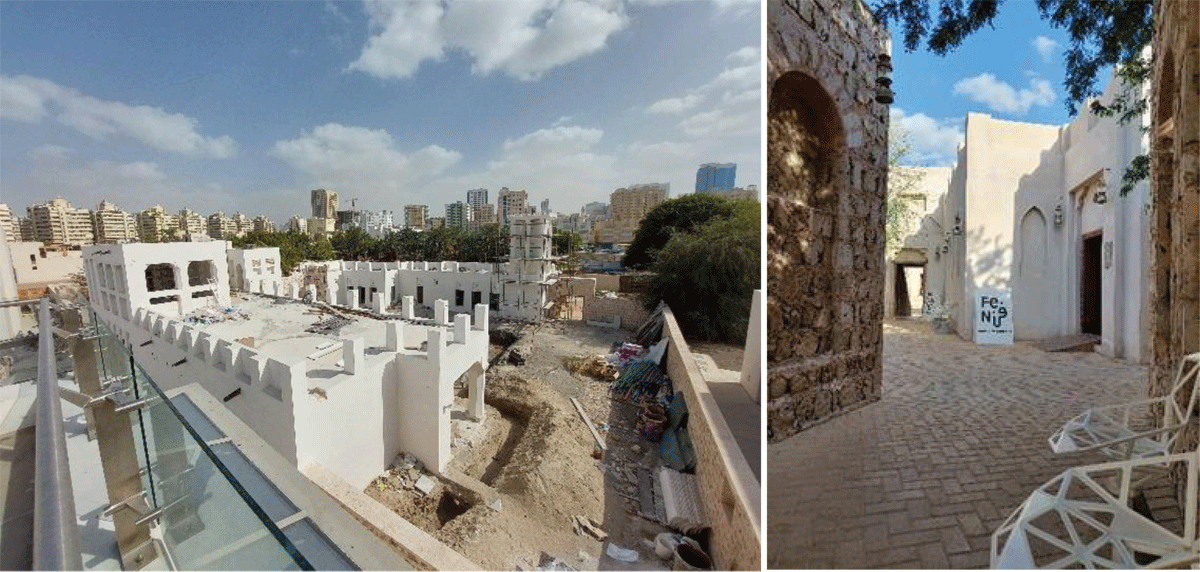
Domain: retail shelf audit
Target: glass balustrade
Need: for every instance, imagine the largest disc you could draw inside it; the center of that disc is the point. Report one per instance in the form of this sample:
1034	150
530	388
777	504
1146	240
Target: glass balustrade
208	519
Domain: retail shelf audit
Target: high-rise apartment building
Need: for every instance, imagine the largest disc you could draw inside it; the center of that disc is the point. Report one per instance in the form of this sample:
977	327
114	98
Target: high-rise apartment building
57	222
595	210
221	227
112	225
324	203
485	214
435	222
263	224
458	214
510	204
8	224
477	198
155	223
545	206
715	176
192	223
415	215
627	206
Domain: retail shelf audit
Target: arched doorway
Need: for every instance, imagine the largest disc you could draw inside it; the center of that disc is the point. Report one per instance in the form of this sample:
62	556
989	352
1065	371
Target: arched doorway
805	176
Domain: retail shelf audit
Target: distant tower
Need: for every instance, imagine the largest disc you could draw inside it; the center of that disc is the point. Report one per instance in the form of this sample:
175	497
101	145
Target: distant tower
324	204
715	176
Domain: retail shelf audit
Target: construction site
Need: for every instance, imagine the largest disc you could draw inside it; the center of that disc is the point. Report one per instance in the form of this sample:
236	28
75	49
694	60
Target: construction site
586	435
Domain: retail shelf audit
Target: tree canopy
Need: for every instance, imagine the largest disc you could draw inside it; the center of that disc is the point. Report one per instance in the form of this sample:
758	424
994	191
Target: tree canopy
1102	33
683	214
487	244
708	274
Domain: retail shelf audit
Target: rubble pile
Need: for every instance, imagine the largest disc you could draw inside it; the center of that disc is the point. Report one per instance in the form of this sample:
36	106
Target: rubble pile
208	315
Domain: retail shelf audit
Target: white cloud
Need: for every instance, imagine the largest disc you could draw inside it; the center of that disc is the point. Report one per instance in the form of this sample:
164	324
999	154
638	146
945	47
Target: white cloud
1002	97
49	152
746	55
350	157
30	99
933	142
728	105
521	39
673	105
1045	46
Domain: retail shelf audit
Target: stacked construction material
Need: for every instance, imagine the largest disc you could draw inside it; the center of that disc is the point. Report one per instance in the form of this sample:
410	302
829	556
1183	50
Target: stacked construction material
640	379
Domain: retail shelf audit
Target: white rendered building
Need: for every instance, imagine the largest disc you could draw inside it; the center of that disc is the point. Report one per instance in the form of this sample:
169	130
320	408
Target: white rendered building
255	270
348	396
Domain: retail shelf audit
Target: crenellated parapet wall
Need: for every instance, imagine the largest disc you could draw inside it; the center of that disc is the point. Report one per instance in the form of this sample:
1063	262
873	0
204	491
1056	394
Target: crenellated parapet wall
352	415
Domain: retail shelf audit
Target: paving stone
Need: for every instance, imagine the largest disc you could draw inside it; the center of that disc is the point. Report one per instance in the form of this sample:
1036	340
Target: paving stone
956	442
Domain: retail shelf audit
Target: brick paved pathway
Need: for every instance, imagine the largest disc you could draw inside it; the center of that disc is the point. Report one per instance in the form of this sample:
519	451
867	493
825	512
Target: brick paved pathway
922	477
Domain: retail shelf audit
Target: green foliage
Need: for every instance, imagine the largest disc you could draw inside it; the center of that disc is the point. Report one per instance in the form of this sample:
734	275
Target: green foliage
1102	32
683	214
902	182
488	244
708	275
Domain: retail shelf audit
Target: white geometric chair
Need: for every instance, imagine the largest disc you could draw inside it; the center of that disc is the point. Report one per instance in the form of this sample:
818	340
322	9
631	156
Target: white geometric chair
1127	431
1082	519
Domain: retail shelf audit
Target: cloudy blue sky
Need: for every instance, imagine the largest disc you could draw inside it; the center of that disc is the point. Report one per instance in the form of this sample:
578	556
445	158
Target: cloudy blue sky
245	106
1011	71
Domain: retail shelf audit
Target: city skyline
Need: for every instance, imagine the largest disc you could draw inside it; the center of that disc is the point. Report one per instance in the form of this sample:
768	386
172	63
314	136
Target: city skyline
569	120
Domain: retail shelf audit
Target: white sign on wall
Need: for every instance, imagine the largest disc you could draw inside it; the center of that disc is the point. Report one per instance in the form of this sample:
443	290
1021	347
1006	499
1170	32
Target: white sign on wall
993	317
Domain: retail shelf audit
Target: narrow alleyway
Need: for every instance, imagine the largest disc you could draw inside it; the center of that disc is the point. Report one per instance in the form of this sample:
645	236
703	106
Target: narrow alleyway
922	477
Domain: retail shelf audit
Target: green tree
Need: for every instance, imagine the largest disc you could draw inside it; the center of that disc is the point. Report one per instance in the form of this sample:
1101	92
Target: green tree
352	243
683	214
708	276
1102	33
902	183
487	244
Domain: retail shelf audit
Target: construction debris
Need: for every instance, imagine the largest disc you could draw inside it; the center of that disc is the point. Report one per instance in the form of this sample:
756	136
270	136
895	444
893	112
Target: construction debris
585	526
640	379
209	315
596	367
622	554
329	326
424	484
592	428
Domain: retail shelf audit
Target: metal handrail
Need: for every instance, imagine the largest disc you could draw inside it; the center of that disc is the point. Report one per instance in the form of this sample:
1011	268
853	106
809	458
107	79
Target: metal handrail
55	532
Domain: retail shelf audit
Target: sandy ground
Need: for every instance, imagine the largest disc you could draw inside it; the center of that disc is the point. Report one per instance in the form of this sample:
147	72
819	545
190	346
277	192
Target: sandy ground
537	454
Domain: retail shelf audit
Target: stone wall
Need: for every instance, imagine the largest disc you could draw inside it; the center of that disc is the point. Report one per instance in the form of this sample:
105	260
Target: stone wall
728	489
1175	185
826	179
630	310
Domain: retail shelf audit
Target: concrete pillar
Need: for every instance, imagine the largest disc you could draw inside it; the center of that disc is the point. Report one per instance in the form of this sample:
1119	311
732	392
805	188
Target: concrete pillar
395	335
462	323
408	308
377	303
445	396
352	354
751	362
481	317
275	288
441	312
293	291
352	298
475	387
312	292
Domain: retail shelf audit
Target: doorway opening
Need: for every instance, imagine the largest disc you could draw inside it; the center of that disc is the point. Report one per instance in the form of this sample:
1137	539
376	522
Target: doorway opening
1090	288
909	286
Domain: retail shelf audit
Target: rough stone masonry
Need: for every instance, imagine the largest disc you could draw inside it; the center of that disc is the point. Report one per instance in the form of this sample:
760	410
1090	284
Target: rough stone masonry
1175	180
826	182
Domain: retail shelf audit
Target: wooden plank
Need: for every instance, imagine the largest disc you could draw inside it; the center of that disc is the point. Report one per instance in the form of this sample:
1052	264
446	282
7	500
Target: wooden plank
592	428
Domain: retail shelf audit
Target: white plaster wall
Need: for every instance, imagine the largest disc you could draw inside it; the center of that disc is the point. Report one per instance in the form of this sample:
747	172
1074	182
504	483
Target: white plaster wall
261	269
54	266
998	154
10	318
116	278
